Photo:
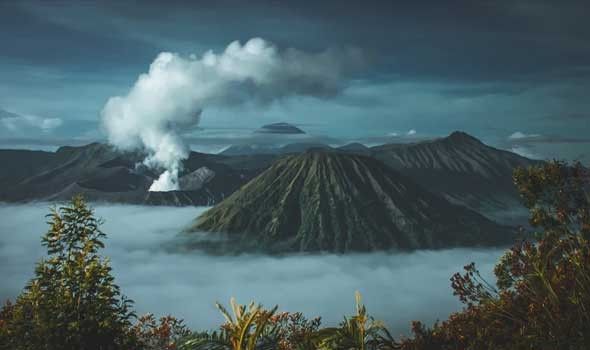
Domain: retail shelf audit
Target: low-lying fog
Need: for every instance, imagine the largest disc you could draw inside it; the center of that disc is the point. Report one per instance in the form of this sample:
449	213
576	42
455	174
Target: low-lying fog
397	288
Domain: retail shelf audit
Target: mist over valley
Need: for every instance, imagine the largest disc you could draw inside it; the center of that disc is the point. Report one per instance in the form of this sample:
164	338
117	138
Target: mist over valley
396	287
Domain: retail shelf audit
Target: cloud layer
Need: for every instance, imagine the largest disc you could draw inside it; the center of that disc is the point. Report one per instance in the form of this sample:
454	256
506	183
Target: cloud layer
169	99
17	124
397	288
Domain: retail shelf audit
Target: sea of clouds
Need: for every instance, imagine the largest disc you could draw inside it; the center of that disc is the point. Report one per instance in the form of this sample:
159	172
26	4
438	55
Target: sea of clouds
396	288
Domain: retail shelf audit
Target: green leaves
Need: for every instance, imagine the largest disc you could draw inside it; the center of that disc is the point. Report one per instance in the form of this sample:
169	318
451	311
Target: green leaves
542	299
72	302
359	332
251	327
246	328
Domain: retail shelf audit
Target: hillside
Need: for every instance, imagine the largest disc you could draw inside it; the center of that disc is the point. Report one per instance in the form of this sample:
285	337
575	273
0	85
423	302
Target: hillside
461	168
329	201
102	173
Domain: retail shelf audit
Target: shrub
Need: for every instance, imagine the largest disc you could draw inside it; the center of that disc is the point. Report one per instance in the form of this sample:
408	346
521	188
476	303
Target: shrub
542	299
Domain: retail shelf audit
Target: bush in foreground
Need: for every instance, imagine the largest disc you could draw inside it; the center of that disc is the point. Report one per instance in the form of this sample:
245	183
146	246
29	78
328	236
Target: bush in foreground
542	298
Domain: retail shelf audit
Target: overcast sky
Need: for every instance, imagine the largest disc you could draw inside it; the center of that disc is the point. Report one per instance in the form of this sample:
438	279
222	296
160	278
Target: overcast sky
513	73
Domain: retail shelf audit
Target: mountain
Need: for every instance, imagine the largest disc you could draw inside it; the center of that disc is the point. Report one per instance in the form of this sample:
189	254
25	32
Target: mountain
257	149
244	150
458	167
300	147
462	169
280	128
332	201
20	164
103	173
355	147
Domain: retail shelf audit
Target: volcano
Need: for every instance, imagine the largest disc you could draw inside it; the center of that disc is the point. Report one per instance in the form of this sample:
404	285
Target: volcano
339	202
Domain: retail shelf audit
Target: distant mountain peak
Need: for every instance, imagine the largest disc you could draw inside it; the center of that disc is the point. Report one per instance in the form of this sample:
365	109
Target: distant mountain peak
280	128
463	137
354	146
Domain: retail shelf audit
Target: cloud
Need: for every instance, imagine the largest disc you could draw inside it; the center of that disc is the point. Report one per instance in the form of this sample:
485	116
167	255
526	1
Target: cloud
552	146
21	123
397	288
520	135
411	132
525	152
48	124
169	99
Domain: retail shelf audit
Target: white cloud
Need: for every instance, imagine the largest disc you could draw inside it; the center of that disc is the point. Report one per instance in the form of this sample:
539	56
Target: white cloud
169	99
411	132
525	152
520	136
21	123
49	124
397	288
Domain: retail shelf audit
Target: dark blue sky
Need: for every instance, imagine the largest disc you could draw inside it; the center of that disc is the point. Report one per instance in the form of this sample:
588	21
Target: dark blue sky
514	73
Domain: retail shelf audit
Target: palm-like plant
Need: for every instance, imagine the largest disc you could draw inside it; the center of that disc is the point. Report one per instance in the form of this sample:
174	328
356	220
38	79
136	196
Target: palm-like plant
247	329
359	332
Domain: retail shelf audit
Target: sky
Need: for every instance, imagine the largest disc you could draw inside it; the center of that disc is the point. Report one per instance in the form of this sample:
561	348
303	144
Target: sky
512	73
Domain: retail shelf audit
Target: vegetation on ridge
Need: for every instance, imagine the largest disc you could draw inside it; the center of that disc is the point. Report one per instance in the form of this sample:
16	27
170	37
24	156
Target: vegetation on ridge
541	299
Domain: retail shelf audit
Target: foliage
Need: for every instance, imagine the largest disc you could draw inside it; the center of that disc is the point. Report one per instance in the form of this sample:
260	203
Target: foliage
249	328
72	302
162	334
294	331
359	332
542	299
254	328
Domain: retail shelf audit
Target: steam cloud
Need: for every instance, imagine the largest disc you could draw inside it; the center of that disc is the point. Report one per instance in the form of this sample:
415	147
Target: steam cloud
169	99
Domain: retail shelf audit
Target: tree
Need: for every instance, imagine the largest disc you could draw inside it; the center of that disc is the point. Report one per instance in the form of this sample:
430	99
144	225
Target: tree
73	301
542	298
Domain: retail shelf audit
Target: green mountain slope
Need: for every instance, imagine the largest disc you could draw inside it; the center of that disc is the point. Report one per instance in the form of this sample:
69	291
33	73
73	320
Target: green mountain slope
329	201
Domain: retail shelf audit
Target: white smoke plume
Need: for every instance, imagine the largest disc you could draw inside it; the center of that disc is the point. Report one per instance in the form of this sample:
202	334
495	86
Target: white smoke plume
168	100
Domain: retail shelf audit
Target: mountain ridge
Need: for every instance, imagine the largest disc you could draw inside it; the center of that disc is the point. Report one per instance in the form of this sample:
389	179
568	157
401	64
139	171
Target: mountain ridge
462	169
458	167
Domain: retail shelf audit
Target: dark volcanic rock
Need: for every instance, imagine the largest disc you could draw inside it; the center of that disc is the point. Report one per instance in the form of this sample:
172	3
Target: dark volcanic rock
329	201
197	179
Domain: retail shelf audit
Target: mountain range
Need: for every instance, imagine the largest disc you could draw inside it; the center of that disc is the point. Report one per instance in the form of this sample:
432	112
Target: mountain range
458	167
102	173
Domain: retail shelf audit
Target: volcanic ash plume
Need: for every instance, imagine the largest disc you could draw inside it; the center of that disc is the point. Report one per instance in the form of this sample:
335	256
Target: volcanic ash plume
168	100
